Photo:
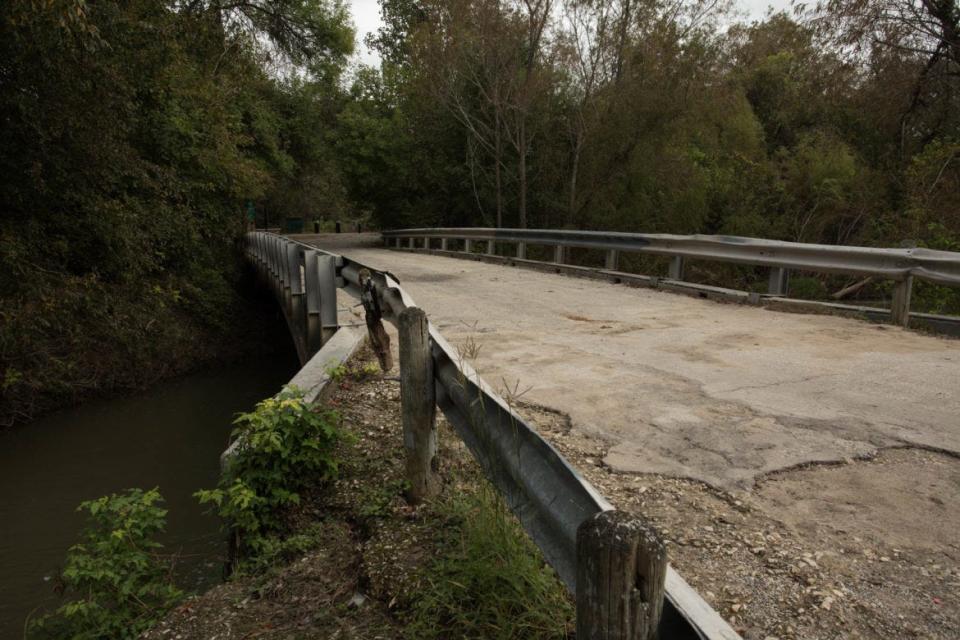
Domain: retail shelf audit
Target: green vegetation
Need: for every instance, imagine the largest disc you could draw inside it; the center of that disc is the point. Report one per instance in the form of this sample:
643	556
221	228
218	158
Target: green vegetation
488	580
117	580
139	136
284	446
135	135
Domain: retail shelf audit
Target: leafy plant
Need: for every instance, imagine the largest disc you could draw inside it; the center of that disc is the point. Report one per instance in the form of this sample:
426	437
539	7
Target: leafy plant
285	445
490	581
121	582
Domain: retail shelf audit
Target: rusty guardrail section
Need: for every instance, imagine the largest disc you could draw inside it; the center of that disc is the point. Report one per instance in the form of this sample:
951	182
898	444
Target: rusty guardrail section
549	497
899	265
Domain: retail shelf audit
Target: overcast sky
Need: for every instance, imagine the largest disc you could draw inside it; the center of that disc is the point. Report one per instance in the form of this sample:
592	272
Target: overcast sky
366	17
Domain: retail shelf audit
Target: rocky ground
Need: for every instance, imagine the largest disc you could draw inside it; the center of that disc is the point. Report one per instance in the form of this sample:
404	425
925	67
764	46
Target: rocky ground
795	557
777	564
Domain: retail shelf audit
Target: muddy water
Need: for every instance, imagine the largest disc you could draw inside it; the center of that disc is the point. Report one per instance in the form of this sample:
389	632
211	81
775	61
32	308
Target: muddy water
170	437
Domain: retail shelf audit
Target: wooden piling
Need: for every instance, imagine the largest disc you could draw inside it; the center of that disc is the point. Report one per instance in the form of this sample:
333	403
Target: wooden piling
621	572
418	405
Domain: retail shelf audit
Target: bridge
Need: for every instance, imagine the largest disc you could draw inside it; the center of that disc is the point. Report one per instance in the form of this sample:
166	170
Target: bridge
724	394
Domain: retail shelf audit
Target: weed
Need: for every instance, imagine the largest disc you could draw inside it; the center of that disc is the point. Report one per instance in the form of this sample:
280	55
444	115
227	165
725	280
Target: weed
489	581
121	582
286	445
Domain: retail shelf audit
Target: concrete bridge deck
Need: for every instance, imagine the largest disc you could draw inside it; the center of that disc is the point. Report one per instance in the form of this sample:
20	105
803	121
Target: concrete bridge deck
713	392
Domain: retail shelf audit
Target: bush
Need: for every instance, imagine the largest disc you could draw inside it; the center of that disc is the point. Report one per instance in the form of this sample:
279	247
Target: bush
284	445
121	582
490	581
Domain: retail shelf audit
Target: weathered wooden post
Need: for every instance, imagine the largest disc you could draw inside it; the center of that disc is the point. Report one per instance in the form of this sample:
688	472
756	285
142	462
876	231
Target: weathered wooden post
900	304
418	405
621	572
379	339
676	268
613	260
779	281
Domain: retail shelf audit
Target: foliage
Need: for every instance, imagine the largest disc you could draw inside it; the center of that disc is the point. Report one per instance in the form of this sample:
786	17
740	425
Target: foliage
283	446
490	580
117	581
135	135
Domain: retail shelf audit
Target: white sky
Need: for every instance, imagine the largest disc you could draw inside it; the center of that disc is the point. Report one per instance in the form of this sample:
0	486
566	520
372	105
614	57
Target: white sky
366	17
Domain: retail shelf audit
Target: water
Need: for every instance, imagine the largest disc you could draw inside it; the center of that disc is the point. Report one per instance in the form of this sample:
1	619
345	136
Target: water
170	437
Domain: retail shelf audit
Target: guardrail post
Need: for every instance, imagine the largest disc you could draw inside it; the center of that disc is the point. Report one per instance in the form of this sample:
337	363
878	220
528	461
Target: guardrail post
676	268
491	248
621	573
467	245
412	243
779	281
900	305
295	301
426	243
443	244
558	254
327	277
522	250
418	405
613	260
311	285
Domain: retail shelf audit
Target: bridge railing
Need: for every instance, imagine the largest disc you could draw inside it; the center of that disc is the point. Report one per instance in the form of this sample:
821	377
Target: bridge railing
899	265
562	512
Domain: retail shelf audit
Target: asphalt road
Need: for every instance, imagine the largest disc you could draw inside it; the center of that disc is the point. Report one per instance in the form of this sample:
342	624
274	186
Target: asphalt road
714	392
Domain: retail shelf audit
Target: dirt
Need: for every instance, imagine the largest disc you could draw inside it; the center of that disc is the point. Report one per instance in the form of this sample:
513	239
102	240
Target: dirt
372	549
803	555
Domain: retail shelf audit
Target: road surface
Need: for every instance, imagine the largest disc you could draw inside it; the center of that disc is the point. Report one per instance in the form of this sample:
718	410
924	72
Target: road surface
719	393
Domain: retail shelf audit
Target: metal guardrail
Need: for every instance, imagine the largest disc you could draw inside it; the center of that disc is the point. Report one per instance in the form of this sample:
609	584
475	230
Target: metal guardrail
900	265
550	499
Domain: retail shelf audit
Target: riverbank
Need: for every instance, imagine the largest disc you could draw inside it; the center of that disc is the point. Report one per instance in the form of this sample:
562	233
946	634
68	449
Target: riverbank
78	339
362	563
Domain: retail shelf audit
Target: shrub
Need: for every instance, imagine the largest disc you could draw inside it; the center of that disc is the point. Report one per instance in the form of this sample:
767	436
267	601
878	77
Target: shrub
121	583
285	445
490	581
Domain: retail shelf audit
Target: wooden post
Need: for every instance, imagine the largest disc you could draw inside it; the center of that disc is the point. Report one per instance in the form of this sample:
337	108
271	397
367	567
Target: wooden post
413	243
491	248
379	339
467	245
613	260
676	268
900	305
621	571
426	243
779	278
418	405
558	252
443	244
399	242
521	250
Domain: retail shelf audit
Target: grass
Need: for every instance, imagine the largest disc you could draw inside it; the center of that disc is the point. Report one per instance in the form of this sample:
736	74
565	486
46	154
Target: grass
488	579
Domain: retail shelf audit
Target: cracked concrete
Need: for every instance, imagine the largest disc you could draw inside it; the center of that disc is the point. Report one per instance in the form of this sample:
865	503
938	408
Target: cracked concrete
718	393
